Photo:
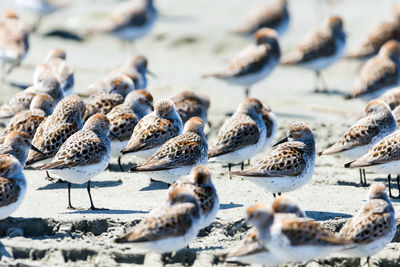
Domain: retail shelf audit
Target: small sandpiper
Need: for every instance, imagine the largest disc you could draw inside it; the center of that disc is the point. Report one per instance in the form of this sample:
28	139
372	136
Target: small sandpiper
373	227
383	157
29	120
179	155
84	155
378	122
14	42
189	104
55	61
56	128
319	49
291	238
124	118
130	20
104	102
199	181
378	74
12	185
170	227
289	166
18	144
242	136
274	16
377	36
253	63
154	129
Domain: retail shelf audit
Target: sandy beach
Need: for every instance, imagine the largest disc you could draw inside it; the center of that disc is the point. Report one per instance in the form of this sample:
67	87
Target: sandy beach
190	39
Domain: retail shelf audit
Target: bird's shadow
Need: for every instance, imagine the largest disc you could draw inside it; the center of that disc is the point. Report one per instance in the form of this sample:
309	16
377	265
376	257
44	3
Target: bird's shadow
64	34
354	184
18	85
104	211
155	185
229	206
93	184
332	91
325	215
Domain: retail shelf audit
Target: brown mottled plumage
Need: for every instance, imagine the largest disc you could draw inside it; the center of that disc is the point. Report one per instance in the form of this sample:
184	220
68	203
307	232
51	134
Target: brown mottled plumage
156	128
29	120
55	129
274	16
375	223
189	104
379	73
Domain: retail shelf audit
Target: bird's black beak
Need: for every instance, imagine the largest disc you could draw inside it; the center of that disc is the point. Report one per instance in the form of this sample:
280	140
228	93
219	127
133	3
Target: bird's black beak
151	106
36	149
152	74
284	140
116	137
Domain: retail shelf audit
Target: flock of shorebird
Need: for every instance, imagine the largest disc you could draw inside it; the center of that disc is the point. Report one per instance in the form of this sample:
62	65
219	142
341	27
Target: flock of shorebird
72	139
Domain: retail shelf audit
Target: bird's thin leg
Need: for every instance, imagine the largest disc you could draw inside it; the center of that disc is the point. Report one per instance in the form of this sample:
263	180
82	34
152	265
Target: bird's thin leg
279	194
274	195
90	197
119	163
242	166
48	177
37	23
316	83
324	84
368	261
365	177
248	162
361	179
398	185
390	187
229	167
70	207
247	91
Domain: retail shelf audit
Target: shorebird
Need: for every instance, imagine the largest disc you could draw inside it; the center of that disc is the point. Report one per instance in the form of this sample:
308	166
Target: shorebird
55	62
274	16
103	103
379	73
29	120
242	136
199	181
12	185
293	239
56	128
289	166
178	155
253	63
84	155
189	104
22	100
250	250
377	36
170	227
124	118
378	122
14	43
18	144
373	227
320	48
383	157
154	129
130	20
134	69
